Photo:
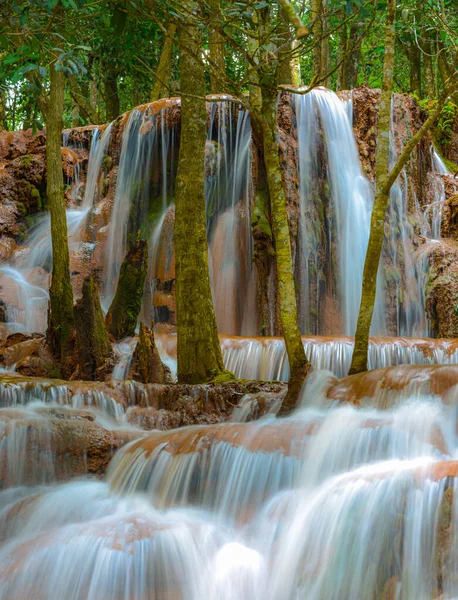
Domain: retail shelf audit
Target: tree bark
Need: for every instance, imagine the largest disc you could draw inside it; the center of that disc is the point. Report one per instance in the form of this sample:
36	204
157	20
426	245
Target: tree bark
216	45
321	50
384	183
112	105
415	67
3	123
299	365
94	348
60	311
164	68
430	85
198	348
284	70
122	316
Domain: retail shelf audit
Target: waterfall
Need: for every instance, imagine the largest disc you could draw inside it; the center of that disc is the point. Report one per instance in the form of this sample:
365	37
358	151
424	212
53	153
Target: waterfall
144	187
29	271
334	220
335	501
228	193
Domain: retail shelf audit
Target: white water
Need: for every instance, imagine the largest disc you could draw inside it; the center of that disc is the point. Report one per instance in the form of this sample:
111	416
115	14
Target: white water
28	275
332	502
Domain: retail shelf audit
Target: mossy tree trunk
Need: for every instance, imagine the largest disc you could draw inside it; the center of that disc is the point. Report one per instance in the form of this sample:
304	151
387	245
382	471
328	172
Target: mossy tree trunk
284	71
299	364
94	348
60	311
122	316
198	348
147	366
384	183
110	84
414	54
216	46
430	84
164	69
321	50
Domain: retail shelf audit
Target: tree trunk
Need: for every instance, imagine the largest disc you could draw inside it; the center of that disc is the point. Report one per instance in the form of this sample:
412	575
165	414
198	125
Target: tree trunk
3	123
415	67
122	316
60	311
94	348
298	362
321	49
110	83
147	366
164	68
216	45
384	183
284	70
359	358
198	348
430	86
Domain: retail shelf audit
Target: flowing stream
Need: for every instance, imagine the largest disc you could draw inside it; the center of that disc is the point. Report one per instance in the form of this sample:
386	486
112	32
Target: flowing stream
335	501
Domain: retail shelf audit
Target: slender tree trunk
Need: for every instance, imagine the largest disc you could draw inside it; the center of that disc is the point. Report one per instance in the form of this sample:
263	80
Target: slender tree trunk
198	348
164	69
60	311
374	249
384	183
321	50
430	86
110	83
298	362
442	61
316	7
3	123
343	38
216	44
415	67
284	71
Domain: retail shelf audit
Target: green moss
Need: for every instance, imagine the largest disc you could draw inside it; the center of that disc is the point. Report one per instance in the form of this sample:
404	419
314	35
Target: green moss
21	208
26	161
107	162
224	377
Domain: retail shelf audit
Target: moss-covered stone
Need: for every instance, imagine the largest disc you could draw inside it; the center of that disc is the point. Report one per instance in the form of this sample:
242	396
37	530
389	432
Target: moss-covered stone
121	319
94	348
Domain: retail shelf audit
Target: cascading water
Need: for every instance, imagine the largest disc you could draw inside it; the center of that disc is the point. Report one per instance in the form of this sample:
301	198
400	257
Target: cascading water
29	272
334	502
145	184
335	205
228	194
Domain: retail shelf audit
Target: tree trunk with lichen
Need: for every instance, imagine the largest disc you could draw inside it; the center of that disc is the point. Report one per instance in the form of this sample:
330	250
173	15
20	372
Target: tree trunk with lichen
198	348
164	68
110	84
147	366
321	49
122	316
60	310
299	365
94	348
216	47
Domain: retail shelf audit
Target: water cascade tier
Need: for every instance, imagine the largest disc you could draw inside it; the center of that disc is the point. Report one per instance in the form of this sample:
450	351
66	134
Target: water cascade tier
339	500
121	182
